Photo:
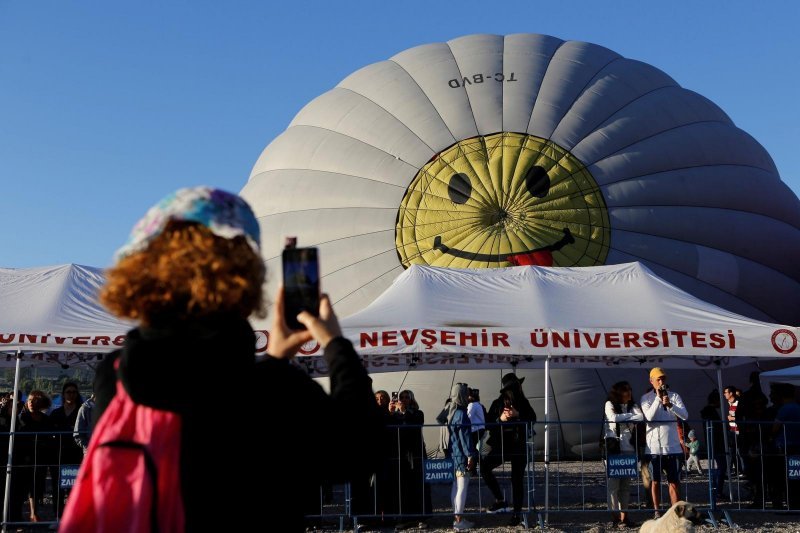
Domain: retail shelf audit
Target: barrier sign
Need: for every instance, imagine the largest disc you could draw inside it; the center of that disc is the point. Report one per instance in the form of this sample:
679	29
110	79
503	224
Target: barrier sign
793	466
67	476
621	466
439	471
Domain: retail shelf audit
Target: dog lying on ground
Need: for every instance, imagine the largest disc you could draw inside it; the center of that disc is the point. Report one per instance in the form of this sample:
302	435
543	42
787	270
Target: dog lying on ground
680	518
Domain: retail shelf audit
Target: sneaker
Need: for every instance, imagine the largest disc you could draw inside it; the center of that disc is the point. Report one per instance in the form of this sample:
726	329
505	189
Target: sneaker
463	525
515	520
656	515
498	507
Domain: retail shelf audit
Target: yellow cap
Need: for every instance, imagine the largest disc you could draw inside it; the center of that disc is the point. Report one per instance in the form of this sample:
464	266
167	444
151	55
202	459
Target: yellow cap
657	373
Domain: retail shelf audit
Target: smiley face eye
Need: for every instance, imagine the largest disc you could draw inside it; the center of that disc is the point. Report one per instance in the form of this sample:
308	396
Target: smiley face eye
459	188
537	182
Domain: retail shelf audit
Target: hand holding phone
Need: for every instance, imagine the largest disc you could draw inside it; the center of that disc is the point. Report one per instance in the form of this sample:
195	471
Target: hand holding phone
285	342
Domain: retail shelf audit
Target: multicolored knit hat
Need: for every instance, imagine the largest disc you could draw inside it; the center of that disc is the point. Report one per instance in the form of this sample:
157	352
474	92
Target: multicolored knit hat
225	214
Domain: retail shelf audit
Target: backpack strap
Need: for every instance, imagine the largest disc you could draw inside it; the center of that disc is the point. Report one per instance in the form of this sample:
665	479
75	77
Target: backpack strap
150	466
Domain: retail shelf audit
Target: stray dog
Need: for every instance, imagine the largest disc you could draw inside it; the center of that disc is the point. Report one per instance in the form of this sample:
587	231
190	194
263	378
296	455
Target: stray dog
680	518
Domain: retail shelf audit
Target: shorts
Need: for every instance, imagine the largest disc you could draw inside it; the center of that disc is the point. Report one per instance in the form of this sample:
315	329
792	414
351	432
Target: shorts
671	464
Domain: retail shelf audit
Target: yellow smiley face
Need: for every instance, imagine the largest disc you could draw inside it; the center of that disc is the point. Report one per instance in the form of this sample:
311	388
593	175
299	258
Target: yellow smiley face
501	200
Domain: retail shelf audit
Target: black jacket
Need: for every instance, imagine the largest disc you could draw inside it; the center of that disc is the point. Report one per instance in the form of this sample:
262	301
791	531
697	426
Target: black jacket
232	478
511	436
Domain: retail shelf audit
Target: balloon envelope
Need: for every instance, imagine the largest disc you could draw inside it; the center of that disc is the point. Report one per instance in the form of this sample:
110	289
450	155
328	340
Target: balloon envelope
490	151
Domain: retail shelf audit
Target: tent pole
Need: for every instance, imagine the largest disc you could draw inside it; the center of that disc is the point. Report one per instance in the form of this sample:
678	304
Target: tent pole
14	404
724	416
546	437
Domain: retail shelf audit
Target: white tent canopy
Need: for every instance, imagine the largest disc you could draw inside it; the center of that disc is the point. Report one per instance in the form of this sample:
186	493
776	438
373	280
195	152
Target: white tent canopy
784	375
445	318
54	313
591	316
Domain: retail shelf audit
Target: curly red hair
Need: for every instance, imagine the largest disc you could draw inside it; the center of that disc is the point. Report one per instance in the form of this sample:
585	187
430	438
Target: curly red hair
186	272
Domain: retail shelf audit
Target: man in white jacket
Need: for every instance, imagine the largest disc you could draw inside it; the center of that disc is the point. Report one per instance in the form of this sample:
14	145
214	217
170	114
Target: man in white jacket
662	409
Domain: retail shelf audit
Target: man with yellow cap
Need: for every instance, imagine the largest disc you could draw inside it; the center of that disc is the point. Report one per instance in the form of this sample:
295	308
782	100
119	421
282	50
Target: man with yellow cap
662	408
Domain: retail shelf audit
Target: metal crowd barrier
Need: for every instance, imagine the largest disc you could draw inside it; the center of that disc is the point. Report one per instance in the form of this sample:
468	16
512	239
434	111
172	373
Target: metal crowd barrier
37	471
760	471
763	478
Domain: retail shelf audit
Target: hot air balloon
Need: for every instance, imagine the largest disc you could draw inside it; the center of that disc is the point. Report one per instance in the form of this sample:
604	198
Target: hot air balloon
489	151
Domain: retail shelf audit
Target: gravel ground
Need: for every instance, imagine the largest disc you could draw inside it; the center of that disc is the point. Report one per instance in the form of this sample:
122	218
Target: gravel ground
577	497
577	522
570	522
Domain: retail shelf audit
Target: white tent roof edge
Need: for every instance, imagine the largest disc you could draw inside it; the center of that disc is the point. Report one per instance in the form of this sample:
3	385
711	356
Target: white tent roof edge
605	317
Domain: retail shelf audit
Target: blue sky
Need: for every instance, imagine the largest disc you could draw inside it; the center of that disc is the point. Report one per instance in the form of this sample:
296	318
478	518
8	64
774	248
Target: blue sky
107	106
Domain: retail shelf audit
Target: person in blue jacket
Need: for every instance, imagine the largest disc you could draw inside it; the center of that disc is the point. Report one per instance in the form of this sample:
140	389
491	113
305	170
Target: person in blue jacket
462	450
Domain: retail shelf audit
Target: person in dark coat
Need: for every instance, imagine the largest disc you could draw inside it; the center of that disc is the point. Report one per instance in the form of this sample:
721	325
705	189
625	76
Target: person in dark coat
69	453
191	274
34	451
414	494
508	420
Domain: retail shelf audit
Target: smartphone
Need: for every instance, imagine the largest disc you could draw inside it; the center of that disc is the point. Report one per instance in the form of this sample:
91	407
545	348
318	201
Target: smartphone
394	396
300	284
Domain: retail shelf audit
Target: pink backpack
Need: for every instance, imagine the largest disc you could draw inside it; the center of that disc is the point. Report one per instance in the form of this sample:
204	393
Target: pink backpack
130	478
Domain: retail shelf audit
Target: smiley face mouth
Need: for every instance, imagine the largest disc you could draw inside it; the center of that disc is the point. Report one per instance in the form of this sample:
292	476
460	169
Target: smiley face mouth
518	258
500	200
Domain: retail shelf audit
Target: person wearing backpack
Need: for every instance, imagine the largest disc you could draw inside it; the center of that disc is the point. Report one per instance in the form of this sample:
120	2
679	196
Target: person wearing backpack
620	412
164	457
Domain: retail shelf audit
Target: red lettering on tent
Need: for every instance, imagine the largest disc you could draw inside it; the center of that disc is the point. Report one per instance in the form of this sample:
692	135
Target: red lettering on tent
680	335
593	340
468	339
448	338
650	339
561	339
429	338
698	339
631	340
500	339
612	340
717	340
409	340
369	339
389	338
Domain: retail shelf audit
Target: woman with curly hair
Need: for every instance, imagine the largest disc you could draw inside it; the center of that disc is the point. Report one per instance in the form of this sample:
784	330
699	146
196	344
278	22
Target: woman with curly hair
190	276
